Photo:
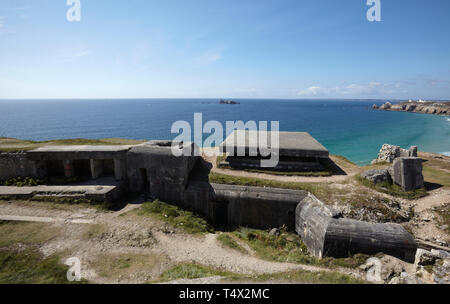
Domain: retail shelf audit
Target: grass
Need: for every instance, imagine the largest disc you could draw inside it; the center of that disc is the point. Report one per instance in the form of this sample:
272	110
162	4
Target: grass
22	182
228	241
30	144
25	264
121	265
195	271
175	216
436	176
25	233
303	276
30	267
393	189
93	231
444	214
190	271
321	190
288	247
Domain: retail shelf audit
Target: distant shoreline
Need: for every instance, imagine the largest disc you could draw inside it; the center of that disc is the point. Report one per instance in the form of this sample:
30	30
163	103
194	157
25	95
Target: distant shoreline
421	107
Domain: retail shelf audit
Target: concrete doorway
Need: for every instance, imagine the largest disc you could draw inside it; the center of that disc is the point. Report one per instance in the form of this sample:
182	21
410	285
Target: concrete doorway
145	185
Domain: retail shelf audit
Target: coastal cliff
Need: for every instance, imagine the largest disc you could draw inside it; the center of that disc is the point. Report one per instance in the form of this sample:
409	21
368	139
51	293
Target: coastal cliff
425	107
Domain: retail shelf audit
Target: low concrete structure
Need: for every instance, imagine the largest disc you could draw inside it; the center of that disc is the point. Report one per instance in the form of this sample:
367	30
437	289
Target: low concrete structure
92	193
407	173
91	161
233	205
297	151
326	233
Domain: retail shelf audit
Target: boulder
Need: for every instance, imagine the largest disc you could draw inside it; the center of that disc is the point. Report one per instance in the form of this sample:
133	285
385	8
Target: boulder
377	176
408	173
440	253
441	272
424	258
386	106
375	107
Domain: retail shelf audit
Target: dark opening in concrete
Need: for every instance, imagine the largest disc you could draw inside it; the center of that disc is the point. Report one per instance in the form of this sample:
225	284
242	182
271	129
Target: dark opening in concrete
145	184
82	168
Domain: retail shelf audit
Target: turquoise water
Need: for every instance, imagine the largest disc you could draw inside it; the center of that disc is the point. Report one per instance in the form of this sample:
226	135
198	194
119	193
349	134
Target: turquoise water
346	127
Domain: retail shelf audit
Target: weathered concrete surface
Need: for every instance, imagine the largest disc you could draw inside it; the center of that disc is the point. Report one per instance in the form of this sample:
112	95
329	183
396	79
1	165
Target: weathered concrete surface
166	175
377	176
291	144
95	193
254	207
407	173
326	233
14	165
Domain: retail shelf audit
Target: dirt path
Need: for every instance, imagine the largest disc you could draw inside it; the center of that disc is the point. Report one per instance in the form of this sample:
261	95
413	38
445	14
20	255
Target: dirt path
125	233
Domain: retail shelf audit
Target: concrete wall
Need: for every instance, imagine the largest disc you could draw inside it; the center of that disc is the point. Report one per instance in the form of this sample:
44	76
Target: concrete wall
16	165
254	207
166	174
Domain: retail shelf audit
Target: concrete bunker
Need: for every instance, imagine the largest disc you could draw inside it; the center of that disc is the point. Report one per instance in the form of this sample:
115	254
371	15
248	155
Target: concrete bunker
90	162
326	233
296	151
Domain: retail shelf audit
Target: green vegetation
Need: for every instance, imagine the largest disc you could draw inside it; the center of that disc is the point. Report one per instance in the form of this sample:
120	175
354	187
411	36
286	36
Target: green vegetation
393	189
22	182
25	264
190	271
228	241
288	247
177	217
436	176
93	231
30	267
25	233
26	145
321	190
195	271
344	159
115	265
303	276
444	214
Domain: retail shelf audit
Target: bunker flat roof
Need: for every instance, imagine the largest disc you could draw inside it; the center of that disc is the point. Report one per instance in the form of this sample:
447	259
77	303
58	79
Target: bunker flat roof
78	152
291	144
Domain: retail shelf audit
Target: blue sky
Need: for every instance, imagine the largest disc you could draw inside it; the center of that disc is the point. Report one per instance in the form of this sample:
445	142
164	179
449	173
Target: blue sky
230	49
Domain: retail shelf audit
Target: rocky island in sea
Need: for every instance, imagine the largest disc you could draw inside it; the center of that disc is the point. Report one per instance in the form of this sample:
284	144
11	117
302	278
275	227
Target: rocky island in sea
420	106
229	102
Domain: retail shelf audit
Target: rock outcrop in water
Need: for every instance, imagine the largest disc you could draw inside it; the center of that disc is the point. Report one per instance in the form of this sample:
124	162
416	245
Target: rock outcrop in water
425	107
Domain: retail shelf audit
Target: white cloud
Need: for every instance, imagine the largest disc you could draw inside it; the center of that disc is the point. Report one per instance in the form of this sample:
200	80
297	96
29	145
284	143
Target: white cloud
370	89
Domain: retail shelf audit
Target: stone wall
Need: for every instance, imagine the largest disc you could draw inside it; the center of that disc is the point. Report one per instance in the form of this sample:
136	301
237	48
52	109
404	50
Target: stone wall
16	165
388	153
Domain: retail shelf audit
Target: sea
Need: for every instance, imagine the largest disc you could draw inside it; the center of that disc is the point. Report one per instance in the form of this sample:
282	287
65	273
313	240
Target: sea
345	127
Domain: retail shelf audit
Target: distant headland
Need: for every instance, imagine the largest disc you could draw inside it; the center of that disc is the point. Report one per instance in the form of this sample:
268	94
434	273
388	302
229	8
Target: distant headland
420	106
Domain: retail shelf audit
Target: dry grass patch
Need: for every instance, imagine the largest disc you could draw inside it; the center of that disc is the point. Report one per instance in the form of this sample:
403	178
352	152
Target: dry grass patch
12	233
129	265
